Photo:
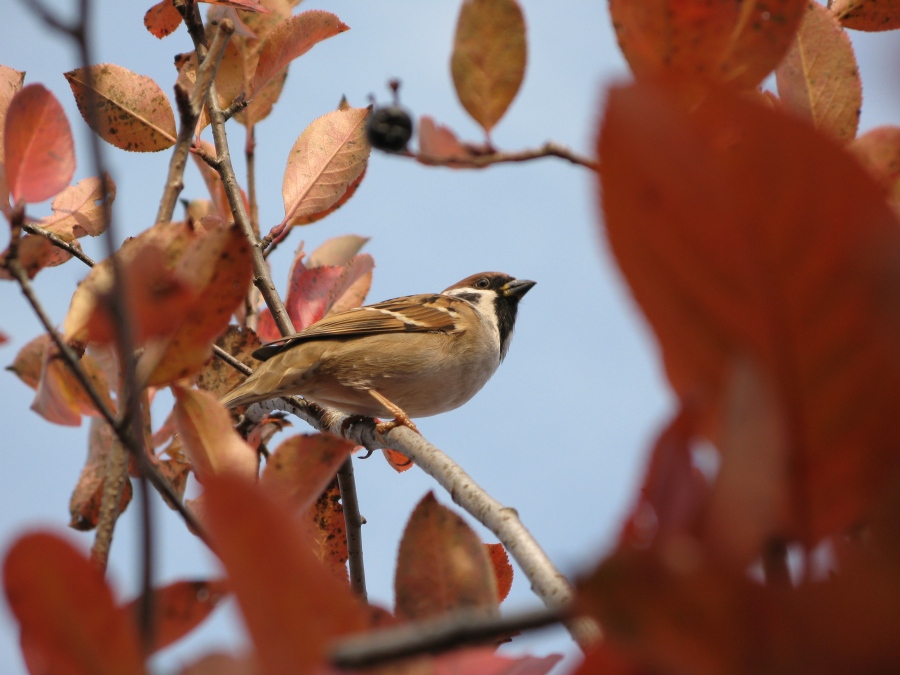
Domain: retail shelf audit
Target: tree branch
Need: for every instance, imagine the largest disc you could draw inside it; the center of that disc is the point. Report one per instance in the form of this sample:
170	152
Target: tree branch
547	582
549	149
460	629
59	242
115	476
350	504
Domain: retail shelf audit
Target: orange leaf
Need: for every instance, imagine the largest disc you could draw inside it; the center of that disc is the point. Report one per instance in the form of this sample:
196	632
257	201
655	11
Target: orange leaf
162	19
818	79
296	607
442	566
503	571
304	465
10	83
869	15
879	151
35	253
291	39
78	210
263	101
84	505
132	112
326	528
69	621
397	461
733	43
59	397
744	233
180	607
326	159
216	376
315	217
39	151
213	446
218	267
489	55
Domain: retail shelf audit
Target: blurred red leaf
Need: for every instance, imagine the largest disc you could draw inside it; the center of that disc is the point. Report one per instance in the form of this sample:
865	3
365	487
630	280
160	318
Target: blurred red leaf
10	84
69	620
442	566
484	661
296	607
291	39
439	142
818	79
326	159
132	113
162	19
179	607
879	151
84	504
222	664
488	60
503	570
213	446
869	15
34	254
38	148
302	466
732	43
745	233
245	5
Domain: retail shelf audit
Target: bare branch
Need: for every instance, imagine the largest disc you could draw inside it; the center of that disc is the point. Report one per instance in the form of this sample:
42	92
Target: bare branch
350	504
434	636
59	242
549	149
113	485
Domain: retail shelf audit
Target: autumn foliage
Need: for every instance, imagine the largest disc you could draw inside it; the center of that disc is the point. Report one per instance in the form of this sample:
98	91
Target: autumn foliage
757	231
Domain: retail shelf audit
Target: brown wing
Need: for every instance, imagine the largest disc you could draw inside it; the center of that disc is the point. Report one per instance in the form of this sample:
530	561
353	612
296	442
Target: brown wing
412	314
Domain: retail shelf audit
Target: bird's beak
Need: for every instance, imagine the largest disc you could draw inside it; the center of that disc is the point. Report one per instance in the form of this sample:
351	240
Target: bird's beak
517	288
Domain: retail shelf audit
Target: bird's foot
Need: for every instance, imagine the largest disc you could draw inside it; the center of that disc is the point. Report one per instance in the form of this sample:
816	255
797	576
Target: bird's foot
399	421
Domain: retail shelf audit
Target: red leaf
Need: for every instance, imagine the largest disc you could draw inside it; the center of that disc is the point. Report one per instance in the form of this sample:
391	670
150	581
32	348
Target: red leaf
39	150
180	607
439	142
291	39
397	461
442	566
869	15
162	19
296	607
503	570
745	233
10	83
78	210
69	621
483	661
304	465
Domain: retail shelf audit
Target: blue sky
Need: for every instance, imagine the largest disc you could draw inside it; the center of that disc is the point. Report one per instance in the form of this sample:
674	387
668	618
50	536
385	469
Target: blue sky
561	431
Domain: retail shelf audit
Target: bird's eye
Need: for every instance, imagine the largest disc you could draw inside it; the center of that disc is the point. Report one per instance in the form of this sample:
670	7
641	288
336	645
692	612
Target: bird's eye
482	283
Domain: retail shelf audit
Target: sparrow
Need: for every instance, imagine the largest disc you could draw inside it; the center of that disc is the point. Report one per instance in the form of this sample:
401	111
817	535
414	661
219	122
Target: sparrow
415	356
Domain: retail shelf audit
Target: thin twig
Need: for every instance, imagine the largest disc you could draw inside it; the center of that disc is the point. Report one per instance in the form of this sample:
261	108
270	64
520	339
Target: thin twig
549	149
547	582
434	636
350	504
59	242
190	108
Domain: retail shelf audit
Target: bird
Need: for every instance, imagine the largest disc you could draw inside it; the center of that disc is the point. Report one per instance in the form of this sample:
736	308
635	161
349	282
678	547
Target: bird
409	357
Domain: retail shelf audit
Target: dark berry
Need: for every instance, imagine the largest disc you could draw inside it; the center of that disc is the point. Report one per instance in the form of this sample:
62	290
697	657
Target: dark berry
389	128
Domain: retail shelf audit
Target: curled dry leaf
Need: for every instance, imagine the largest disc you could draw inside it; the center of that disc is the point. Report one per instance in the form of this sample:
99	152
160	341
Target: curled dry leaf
489	56
297	608
291	39
78	210
216	376
442	566
39	153
869	15
818	79
742	232
732	43
162	19
68	618
303	466
10	83
326	159
213	446
132	111
180	607
84	504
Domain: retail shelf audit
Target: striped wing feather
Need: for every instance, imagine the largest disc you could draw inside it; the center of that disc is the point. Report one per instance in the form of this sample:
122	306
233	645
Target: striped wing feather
412	314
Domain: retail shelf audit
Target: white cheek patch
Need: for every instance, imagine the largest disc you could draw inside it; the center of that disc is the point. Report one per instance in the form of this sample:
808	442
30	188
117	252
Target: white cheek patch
484	302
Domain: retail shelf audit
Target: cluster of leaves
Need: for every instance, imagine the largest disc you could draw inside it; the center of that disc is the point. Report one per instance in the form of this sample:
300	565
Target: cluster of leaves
182	282
760	237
